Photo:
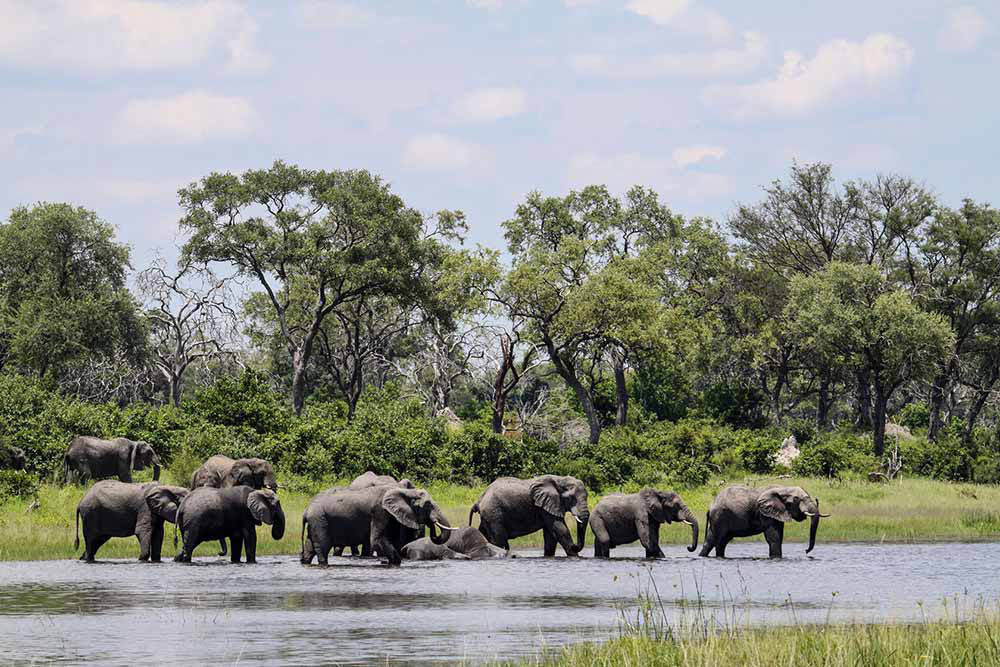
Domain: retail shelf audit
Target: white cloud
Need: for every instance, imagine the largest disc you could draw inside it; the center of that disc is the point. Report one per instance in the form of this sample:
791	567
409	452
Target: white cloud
687	155
490	104
485	4
839	68
333	14
964	29
623	170
101	35
703	64
660	12
438	152
684	15
186	118
134	190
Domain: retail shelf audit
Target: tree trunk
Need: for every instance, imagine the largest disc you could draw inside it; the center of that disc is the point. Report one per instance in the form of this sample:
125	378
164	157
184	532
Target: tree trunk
566	373
936	405
878	432
982	395
499	408
865	420
175	391
621	391
823	401
298	384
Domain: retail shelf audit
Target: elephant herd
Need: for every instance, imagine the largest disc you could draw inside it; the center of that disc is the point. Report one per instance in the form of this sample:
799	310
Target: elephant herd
377	515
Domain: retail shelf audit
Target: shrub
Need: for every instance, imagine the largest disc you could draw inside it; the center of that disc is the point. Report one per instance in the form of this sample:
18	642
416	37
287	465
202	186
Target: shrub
914	416
475	452
804	430
17	484
247	401
757	453
735	405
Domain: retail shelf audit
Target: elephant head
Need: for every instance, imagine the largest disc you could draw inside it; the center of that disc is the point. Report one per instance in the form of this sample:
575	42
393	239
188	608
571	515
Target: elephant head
667	507
558	495
265	507
414	509
163	501
143	455
788	503
255	473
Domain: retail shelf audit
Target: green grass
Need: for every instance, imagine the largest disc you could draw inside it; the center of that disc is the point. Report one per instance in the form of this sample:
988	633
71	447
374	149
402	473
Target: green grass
903	511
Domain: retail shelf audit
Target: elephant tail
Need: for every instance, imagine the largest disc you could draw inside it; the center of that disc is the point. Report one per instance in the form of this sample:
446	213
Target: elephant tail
66	469
76	542
473	510
179	518
302	536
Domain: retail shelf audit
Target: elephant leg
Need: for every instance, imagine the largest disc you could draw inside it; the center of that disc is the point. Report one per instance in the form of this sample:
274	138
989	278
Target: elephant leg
145	538
222	547
308	551
322	547
721	543
250	544
93	544
156	543
236	548
602	539
561	532
550	543
774	534
339	551
366	550
649	536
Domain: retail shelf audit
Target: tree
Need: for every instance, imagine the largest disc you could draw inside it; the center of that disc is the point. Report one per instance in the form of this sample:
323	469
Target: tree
314	241
190	320
63	299
853	311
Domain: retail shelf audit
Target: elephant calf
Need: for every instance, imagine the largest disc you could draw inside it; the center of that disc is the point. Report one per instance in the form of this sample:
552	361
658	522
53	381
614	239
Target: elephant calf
215	514
622	519
465	543
741	511
118	509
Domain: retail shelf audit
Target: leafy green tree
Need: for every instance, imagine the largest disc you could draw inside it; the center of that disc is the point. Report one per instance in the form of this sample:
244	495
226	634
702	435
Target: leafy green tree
63	299
314	241
855	312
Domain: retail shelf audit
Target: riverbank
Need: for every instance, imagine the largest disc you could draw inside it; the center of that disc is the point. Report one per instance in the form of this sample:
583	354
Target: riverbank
910	510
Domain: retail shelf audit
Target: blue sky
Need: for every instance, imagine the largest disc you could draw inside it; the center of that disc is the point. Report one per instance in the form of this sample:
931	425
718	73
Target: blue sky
114	105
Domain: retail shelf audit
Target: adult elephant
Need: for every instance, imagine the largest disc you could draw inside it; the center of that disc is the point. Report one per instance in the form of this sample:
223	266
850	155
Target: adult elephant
222	472
742	511
235	512
512	507
384	517
120	509
465	543
369	478
12	458
93	458
621	519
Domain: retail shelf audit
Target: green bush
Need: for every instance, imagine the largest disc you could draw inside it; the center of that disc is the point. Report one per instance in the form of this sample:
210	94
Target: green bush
735	405
914	416
757	453
833	454
17	484
247	401
804	430
476	453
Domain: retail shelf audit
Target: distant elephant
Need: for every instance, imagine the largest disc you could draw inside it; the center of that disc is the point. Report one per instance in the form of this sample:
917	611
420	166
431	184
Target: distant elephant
622	519
12	458
371	479
93	458
465	543
384	517
512	507
234	512
741	511
120	509
222	472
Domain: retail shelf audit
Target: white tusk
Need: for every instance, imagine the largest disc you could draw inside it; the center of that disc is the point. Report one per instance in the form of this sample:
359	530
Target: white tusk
687	522
824	515
578	519
443	527
809	513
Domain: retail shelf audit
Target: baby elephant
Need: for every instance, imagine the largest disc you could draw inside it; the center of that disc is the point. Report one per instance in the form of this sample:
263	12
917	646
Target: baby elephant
214	514
465	543
120	509
621	519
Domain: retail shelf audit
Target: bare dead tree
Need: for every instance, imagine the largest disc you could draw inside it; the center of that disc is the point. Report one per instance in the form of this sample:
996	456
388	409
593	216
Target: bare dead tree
190	320
509	359
114	378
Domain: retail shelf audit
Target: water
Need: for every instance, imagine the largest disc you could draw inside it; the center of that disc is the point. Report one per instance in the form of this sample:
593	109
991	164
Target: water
279	612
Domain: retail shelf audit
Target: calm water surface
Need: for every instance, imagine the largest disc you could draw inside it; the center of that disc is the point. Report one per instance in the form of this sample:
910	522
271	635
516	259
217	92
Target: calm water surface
356	611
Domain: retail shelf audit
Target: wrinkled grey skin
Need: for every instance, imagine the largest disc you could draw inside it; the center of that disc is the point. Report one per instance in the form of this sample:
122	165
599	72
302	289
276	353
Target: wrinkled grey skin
385	517
622	519
120	509
12	458
371	479
93	458
234	512
741	511
512	507
222	472
465	543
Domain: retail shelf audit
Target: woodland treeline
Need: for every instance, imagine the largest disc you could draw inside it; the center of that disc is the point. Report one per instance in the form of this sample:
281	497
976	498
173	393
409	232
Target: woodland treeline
838	304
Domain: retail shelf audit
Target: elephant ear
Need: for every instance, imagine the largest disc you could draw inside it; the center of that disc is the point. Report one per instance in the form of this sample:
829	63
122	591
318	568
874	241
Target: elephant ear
772	505
654	505
239	474
163	501
397	503
545	494
259	504
405	484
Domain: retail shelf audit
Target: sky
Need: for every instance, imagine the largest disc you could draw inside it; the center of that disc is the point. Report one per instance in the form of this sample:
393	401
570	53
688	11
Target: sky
470	104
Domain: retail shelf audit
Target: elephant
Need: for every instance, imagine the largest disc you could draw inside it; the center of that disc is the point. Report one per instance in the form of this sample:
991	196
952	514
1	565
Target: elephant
621	519
234	512
371	479
93	458
741	511
222	472
384	517
120	509
12	458
465	543
512	507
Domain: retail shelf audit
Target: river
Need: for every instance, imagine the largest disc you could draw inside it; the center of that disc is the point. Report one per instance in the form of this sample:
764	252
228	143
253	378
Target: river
356	611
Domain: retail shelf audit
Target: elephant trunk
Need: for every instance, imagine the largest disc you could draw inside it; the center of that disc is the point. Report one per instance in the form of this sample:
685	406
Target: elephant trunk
582	516
688	518
814	517
278	527
156	470
438	520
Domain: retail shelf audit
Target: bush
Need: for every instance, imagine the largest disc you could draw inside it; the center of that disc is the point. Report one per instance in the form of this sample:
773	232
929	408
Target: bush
757	453
735	405
804	430
914	416
247	401
833	454
476	453
17	484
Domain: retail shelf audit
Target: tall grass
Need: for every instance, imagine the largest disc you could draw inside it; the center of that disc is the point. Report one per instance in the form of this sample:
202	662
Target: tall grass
905	511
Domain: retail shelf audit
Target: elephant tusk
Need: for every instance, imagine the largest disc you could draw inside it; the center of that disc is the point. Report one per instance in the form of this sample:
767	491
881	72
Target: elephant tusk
809	513
443	527
824	515
687	522
578	519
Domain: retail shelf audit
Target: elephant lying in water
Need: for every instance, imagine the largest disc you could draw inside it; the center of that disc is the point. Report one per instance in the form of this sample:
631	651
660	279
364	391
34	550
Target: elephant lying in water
465	543
741	511
119	509
621	519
